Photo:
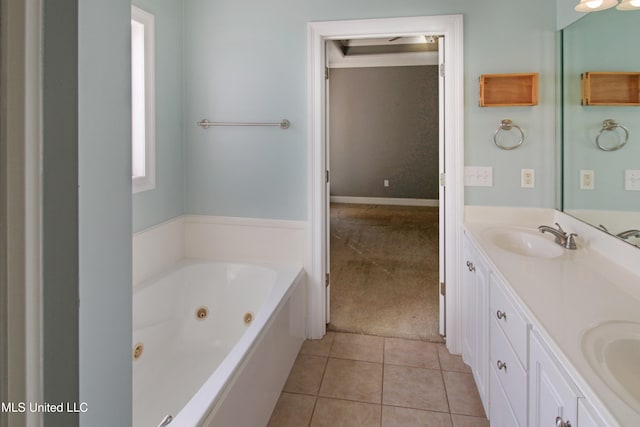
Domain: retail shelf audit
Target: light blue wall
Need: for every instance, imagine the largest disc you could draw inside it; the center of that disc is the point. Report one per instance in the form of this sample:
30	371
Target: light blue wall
566	13
602	41
167	199
247	61
104	213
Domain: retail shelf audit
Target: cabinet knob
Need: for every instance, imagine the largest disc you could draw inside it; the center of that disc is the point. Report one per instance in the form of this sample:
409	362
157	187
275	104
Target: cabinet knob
470	266
561	423
501	315
502	365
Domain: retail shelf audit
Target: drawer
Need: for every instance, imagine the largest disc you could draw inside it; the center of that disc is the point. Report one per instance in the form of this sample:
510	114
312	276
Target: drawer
509	319
511	375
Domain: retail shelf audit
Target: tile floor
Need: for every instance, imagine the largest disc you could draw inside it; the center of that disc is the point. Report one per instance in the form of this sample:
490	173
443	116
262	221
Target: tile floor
362	380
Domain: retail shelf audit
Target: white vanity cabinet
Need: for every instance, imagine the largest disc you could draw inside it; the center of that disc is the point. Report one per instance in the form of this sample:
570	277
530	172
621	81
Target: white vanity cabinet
587	416
475	322
508	356
553	398
520	380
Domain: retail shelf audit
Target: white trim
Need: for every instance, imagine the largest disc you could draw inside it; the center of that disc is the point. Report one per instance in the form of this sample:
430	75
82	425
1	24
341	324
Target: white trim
384	201
451	26
148	180
246	222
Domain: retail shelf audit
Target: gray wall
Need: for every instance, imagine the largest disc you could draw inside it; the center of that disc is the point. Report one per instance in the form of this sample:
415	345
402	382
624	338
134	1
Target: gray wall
104	211
60	251
384	125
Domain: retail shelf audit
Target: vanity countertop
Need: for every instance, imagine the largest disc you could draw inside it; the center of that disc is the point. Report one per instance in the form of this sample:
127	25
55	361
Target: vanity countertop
570	294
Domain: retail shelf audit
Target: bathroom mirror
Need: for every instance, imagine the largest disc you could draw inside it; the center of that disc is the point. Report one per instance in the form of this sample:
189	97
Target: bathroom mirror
600	186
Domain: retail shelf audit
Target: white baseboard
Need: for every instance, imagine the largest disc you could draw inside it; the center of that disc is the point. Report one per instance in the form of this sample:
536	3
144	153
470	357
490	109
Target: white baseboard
385	201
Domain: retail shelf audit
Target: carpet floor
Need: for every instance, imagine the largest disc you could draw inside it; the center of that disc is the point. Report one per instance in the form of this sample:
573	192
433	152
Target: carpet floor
384	271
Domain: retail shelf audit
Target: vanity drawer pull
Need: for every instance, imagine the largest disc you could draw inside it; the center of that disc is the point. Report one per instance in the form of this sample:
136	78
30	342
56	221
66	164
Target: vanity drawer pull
501	315
561	423
470	266
501	365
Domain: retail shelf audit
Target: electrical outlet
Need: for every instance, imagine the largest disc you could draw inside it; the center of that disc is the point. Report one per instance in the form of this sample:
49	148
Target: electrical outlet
527	178
386	182
587	179
632	180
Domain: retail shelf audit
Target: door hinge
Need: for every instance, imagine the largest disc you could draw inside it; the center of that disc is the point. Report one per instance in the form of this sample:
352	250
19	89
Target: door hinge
443	179
443	288
442	70
327	280
326	73
326	176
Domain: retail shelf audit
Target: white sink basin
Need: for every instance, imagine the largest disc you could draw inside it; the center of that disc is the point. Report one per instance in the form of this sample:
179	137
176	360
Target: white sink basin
524	242
613	351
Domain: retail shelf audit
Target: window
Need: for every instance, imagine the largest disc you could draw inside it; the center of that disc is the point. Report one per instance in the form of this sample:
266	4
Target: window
143	124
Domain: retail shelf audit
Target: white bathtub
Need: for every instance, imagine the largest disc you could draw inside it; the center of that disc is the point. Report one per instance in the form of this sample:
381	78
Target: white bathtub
226	369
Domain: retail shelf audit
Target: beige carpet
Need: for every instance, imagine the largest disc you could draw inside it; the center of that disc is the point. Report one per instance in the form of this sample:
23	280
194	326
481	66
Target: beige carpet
384	271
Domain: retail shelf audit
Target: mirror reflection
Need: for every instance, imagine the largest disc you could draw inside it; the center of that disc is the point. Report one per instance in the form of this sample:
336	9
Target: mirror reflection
601	122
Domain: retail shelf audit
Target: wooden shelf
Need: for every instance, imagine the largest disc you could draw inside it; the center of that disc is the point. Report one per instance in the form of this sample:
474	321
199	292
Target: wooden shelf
610	88
504	90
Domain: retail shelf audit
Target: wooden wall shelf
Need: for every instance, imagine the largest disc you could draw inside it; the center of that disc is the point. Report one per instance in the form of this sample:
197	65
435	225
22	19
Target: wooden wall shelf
610	88
504	90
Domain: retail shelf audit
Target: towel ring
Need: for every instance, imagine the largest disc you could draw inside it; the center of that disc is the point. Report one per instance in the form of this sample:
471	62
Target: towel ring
508	125
610	125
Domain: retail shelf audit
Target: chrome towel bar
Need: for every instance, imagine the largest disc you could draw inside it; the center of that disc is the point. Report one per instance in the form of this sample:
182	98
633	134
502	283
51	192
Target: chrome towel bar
204	123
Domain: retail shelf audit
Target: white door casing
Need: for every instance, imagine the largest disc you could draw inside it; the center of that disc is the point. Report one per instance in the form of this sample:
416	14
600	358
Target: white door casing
442	275
318	32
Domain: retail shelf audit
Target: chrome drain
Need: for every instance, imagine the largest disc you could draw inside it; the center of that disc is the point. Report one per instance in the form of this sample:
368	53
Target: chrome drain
202	313
137	351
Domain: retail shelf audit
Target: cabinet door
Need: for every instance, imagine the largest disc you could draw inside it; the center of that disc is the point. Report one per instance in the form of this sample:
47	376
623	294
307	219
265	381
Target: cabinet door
552	396
481	324
467	303
475	317
500	412
587	417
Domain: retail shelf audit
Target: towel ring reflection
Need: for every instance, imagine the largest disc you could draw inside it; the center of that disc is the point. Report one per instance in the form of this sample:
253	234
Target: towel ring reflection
508	125
610	125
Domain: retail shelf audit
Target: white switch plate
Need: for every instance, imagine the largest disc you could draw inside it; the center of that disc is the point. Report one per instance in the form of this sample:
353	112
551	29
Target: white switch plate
587	179
527	178
478	176
386	182
632	179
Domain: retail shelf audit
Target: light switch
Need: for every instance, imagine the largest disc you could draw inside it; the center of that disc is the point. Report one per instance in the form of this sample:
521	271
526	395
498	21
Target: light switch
478	176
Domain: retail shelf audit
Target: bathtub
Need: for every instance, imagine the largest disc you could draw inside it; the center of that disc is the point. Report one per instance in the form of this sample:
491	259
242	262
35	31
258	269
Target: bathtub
213	343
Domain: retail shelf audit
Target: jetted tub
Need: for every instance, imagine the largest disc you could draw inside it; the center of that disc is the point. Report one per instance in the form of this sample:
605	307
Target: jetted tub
213	343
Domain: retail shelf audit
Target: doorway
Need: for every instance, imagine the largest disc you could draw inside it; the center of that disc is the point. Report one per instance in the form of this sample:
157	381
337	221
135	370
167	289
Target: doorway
451	27
383	154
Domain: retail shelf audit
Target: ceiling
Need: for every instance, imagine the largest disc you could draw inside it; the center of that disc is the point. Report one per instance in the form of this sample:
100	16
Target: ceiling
383	52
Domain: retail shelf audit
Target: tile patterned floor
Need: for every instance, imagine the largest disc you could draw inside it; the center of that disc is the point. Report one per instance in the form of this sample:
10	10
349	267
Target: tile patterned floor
361	380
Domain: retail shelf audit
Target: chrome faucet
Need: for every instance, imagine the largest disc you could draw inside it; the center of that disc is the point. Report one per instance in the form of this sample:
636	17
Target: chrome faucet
565	240
629	233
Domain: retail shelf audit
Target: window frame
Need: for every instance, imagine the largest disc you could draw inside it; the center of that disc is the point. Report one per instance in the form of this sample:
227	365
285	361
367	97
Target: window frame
147	180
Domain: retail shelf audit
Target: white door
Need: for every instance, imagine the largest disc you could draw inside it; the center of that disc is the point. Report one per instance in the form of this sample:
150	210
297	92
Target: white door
442	188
